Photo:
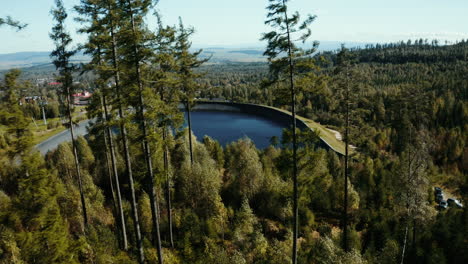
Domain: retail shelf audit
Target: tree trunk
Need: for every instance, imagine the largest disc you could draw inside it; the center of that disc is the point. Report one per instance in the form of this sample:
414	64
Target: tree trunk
109	167
128	163
116	178
146	149
189	119
404	245
345	206
168	188
43	114
293	110
75	155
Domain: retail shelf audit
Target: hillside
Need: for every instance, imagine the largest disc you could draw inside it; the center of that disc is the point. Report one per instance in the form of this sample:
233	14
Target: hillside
373	169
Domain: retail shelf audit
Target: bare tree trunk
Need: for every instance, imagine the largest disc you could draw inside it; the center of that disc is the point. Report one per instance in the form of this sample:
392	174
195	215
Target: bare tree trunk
43	114
168	188
147	149
116	178
109	166
404	245
407	208
345	206
128	163
190	132
75	155
293	110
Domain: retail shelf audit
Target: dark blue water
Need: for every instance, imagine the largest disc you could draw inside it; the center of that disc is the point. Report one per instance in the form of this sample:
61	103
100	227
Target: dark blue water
227	127
223	126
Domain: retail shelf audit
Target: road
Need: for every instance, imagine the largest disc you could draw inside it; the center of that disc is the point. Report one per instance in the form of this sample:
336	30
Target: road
64	136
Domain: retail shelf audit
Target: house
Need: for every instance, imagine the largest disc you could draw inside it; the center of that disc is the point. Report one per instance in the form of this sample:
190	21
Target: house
81	98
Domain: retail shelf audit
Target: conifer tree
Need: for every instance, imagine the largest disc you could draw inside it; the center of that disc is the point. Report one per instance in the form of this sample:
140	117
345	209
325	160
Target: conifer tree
14	118
286	60
62	55
343	64
113	18
134	44
163	78
9	21
187	61
43	237
98	40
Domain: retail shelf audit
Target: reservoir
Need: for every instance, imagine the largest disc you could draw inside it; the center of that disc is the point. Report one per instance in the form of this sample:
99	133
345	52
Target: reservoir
223	123
226	127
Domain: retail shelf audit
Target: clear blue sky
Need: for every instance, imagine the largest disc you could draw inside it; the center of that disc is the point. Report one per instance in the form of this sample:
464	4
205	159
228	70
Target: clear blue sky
240	22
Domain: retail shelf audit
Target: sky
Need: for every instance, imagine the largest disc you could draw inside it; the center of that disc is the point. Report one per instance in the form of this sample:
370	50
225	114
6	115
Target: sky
240	23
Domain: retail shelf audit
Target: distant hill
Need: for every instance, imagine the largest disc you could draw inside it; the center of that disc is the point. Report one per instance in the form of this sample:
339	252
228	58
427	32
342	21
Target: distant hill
253	53
29	59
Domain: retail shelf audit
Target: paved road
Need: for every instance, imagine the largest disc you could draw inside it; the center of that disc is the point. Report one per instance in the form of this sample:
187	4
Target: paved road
64	136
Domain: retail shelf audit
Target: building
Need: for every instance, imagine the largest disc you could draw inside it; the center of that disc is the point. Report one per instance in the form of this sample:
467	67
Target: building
81	98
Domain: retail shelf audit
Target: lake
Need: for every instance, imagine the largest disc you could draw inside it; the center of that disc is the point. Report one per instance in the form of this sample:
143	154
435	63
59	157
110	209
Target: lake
224	126
227	127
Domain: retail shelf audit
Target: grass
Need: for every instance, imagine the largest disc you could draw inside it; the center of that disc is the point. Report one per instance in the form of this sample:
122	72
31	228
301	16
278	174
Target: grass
40	131
325	134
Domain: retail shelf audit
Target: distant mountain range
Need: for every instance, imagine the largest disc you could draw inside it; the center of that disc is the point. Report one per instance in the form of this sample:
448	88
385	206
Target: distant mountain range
30	59
217	54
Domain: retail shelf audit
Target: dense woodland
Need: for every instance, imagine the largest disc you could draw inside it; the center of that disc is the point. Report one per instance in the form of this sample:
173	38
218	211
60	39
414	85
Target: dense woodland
140	188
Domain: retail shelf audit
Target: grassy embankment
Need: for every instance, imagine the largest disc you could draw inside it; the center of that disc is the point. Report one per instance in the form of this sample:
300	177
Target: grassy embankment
40	130
325	134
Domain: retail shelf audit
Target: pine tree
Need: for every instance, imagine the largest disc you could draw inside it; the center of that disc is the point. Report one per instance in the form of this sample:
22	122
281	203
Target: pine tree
134	44
43	237
98	39
163	78
187	61
62	55
343	64
14	118
113	18
9	21
286	60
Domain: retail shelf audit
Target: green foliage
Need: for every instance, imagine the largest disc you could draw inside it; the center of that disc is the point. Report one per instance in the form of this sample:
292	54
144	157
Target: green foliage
42	231
272	200
247	234
12	23
198	185
244	175
390	253
187	62
13	117
85	154
326	251
215	150
62	54
10	253
408	122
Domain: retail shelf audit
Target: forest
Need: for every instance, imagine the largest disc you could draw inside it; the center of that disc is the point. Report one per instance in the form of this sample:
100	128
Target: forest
141	188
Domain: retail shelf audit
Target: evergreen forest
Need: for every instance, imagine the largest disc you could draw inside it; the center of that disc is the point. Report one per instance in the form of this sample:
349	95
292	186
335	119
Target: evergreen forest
141	188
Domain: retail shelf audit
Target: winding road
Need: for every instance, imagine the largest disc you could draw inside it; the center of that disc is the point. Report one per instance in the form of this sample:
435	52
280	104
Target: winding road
64	136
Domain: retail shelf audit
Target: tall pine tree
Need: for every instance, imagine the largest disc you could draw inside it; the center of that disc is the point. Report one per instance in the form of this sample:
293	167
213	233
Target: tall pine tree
113	17
286	60
187	61
135	47
61	56
93	14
